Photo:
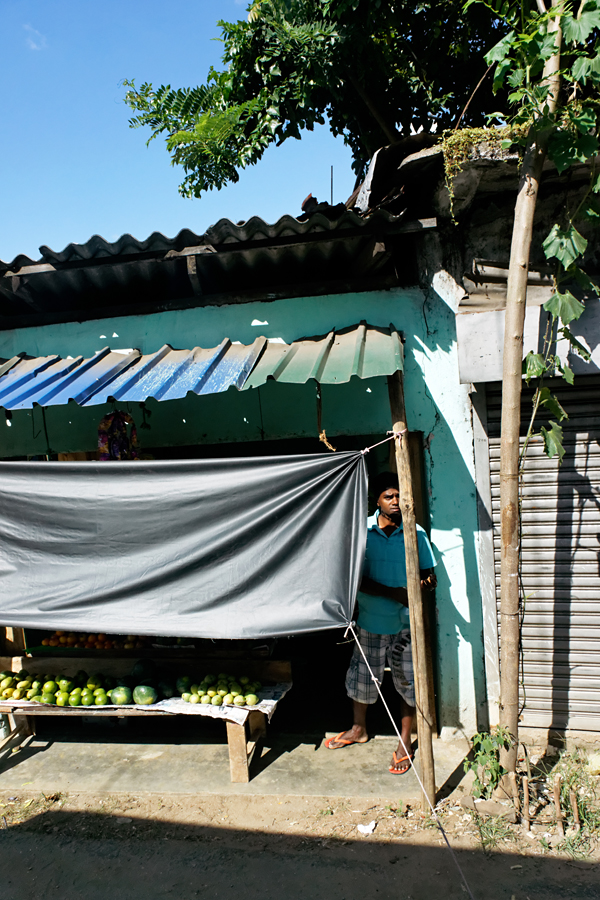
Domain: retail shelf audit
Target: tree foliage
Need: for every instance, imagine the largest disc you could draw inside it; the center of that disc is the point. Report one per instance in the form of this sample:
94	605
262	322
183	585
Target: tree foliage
569	132
372	69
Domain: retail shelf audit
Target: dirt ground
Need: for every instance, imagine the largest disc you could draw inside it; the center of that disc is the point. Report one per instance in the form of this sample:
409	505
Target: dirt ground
147	846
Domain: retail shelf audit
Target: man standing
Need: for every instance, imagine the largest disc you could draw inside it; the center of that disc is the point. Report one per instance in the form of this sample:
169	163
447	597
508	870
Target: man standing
383	622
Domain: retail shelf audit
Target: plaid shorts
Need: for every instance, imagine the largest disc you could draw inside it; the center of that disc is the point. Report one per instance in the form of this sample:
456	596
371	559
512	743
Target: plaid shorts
378	648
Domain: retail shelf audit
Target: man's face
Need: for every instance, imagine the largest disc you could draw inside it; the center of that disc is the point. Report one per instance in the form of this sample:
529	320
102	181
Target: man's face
389	503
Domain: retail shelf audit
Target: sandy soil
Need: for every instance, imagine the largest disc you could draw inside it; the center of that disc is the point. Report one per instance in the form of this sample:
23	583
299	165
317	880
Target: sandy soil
65	847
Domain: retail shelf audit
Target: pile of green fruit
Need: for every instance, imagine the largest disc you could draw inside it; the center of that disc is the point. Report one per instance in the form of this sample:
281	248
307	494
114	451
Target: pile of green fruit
147	684
141	687
220	690
58	690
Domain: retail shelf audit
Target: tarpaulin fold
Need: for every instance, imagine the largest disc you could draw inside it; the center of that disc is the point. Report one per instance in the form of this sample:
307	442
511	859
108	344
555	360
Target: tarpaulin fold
220	548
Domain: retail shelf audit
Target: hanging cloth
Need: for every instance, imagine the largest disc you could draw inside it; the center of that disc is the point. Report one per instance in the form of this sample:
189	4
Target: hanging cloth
113	440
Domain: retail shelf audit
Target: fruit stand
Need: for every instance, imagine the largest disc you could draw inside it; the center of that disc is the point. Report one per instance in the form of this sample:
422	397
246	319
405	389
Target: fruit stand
207	694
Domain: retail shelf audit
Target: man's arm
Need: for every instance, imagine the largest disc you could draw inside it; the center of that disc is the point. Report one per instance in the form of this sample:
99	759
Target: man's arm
400	594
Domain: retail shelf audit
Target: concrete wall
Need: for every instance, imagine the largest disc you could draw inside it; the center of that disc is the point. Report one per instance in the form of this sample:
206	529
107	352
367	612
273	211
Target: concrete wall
437	404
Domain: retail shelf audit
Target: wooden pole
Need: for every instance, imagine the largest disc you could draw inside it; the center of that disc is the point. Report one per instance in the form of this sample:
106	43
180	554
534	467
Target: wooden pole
425	714
512	380
526	817
557	807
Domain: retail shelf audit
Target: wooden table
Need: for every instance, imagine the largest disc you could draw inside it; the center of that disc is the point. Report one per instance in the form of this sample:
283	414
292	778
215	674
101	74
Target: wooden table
243	741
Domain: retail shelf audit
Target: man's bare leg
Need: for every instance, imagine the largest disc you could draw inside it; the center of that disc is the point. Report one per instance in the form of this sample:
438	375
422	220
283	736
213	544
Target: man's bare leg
407	714
358	732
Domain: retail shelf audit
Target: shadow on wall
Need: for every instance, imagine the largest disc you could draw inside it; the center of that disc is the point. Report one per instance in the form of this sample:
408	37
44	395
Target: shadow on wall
576	579
440	406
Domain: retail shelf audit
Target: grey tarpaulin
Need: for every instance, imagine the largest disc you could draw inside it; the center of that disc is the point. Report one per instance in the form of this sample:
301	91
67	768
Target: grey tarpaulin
220	548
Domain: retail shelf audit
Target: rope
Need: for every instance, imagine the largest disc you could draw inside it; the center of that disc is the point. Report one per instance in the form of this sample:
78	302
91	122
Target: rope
408	754
392	435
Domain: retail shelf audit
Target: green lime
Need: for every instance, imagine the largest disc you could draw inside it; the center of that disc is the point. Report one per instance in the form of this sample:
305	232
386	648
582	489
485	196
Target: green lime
47	698
77	691
98	690
217	700
195	698
87	699
66	684
50	687
205	699
62	698
74	699
101	699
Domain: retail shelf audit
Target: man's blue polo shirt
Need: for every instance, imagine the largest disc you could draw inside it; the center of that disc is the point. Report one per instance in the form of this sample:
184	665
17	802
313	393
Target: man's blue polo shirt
385	562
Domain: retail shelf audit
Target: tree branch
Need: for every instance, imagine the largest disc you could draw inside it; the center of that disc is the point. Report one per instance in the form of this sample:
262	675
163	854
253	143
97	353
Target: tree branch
392	134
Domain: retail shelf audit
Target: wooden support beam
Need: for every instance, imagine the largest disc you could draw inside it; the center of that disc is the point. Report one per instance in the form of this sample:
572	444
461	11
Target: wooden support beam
421	660
238	753
192	270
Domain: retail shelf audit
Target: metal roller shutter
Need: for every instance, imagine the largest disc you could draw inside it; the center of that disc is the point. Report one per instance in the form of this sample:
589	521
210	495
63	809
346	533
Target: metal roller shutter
561	561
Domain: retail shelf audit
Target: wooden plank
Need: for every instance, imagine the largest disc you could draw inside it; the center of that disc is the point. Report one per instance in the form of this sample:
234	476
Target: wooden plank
425	717
273	670
22	730
49	710
194	276
238	753
257	725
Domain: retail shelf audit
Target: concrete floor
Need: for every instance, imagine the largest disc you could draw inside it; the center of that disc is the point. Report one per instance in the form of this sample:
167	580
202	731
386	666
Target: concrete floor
288	765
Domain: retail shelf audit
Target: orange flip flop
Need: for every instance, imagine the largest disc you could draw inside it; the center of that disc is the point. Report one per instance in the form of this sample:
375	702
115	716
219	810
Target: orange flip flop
340	740
398	760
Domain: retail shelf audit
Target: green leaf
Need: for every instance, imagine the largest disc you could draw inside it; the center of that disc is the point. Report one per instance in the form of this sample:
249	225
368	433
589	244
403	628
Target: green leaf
575	344
566	244
584	119
590	211
577	30
568	147
567	373
516	78
586	67
553	441
583	280
533	366
552	405
565	307
501	50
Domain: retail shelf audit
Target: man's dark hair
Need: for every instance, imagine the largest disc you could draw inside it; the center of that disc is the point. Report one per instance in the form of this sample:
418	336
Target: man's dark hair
382	482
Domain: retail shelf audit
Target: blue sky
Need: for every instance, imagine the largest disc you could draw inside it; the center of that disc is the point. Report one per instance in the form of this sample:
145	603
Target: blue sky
70	165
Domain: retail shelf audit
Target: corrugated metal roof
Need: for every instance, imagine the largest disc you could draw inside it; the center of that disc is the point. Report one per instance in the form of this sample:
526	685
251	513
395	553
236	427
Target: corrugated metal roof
223	232
169	374
362	350
325	252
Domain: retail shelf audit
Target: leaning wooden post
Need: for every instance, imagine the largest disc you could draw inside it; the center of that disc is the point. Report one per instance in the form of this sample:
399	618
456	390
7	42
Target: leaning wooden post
425	717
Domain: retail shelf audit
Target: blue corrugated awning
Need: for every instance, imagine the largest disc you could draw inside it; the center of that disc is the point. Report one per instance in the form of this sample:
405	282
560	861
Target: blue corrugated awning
170	374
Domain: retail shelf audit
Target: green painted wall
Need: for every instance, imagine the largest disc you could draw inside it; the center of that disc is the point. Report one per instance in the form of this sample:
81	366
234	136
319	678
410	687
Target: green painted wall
437	404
